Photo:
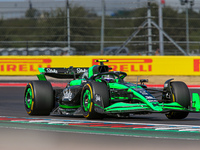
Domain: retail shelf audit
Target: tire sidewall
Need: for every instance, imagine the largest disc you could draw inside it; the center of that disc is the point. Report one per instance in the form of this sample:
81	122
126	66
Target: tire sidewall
30	110
42	98
180	93
86	114
100	89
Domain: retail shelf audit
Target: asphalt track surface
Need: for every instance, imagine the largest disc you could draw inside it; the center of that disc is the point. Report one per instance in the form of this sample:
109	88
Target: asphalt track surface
20	131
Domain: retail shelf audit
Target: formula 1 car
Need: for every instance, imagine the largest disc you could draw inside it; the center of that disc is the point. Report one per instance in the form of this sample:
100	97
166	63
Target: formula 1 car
96	91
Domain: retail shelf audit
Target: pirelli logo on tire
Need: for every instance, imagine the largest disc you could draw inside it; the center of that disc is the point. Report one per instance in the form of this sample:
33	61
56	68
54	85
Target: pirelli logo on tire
137	65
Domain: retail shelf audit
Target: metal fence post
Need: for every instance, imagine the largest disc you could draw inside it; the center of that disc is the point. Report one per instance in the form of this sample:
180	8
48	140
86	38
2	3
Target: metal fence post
149	29
102	27
161	42
187	30
27	51
68	25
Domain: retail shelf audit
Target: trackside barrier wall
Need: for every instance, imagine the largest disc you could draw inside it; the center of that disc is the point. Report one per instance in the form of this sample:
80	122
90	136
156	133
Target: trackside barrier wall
133	65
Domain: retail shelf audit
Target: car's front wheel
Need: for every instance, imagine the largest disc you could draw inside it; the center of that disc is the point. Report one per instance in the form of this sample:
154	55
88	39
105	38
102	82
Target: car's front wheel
39	98
181	95
89	93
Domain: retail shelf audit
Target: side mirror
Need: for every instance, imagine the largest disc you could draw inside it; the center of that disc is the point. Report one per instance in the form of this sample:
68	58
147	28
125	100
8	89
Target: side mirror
143	80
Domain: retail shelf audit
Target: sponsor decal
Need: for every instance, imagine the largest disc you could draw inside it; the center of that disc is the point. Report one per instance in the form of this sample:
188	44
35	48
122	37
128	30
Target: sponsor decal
143	92
81	70
67	95
129	65
97	97
23	64
196	65
49	70
149	97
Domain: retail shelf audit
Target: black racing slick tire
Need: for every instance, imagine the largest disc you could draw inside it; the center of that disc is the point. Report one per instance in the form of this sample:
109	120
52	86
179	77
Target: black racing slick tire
181	95
89	94
39	98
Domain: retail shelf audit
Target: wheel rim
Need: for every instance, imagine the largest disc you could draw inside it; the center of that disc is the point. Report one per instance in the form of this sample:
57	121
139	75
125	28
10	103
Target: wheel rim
86	100
28	98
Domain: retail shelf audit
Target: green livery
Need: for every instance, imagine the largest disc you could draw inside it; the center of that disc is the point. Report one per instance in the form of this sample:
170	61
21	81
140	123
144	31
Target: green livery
96	91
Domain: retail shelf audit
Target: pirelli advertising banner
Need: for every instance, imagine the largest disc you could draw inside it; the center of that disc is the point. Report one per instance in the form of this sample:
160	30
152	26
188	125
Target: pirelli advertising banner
133	65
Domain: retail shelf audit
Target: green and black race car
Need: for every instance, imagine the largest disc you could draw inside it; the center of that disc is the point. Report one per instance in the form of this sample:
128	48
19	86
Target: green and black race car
96	91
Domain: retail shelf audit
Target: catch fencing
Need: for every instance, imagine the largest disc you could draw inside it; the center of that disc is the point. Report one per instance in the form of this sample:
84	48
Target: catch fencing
88	26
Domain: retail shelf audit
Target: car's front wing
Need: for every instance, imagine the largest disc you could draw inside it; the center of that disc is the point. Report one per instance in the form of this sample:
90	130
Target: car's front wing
122	107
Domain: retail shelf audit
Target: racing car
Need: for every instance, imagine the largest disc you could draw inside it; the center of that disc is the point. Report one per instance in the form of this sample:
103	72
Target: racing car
97	91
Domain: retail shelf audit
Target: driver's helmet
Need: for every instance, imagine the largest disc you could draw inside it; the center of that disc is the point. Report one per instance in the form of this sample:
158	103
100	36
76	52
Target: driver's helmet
108	78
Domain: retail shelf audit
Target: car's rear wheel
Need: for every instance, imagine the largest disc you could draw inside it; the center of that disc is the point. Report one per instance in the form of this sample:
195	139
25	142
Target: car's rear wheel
181	95
39	98
89	93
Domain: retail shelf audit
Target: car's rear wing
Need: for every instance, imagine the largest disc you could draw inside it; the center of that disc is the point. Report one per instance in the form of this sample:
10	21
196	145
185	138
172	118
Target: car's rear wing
61	73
